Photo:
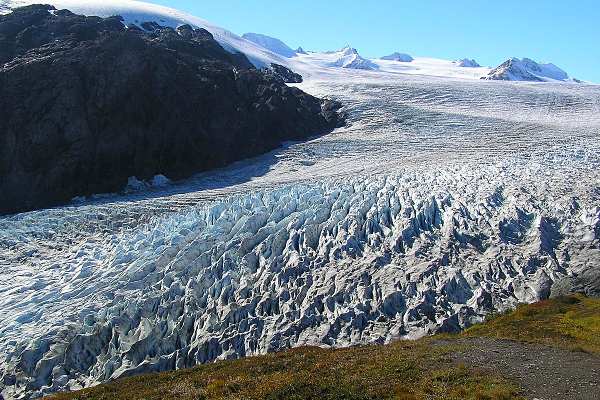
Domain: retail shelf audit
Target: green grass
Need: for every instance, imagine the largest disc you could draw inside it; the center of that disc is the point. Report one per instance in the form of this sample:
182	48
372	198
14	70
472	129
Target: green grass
571	322
402	370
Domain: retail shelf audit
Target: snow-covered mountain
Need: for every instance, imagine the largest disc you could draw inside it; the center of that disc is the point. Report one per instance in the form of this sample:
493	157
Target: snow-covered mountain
348	57
300	50
467	63
400	57
526	69
270	43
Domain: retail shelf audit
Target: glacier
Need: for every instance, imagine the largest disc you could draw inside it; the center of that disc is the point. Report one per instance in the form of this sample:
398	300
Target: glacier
441	201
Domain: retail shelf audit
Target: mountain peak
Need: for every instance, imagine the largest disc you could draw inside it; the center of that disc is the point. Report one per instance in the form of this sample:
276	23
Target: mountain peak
350	59
515	69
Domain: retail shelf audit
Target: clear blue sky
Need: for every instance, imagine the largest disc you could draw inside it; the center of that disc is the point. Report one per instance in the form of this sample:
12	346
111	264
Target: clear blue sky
565	32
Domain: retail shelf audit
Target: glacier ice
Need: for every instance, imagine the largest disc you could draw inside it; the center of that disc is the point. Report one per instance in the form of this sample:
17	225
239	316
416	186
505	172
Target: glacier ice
329	263
441	201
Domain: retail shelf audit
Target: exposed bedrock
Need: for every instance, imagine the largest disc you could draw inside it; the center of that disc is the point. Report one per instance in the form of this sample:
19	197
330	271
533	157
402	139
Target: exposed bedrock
86	103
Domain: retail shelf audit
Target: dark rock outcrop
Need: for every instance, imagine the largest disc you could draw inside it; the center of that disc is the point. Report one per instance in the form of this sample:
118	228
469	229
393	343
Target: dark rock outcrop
86	103
283	73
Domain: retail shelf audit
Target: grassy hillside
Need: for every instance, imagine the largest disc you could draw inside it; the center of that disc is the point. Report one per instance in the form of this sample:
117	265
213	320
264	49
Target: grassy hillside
571	322
421	369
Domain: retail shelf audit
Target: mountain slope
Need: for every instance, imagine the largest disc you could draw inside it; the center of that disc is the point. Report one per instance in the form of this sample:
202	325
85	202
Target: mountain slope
270	43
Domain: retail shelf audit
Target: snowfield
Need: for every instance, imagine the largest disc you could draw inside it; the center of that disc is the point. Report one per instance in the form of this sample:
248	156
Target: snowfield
445	198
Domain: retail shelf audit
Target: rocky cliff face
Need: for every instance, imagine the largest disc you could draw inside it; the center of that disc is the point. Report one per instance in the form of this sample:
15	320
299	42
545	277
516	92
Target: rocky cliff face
86	103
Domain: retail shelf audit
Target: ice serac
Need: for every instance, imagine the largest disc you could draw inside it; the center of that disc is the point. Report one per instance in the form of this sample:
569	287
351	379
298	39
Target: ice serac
526	69
177	104
273	44
467	63
349	58
400	57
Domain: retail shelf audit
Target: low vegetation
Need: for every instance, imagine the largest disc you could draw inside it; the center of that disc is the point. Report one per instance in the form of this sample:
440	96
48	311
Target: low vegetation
571	322
404	370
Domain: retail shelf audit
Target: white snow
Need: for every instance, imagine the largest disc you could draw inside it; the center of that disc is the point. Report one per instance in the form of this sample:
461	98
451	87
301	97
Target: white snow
270	43
443	199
